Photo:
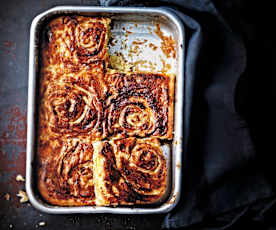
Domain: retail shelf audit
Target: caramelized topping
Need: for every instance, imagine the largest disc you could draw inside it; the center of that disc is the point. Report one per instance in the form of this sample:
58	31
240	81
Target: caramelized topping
167	44
99	129
139	106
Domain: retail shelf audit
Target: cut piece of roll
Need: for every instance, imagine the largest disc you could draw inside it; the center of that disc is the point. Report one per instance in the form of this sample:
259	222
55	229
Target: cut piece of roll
140	104
76	40
72	105
65	173
129	171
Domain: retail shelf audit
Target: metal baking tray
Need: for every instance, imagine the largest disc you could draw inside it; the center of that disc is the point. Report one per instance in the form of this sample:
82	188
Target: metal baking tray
141	22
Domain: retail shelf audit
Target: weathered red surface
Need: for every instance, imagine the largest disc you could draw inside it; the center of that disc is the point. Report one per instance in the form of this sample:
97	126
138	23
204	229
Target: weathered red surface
12	150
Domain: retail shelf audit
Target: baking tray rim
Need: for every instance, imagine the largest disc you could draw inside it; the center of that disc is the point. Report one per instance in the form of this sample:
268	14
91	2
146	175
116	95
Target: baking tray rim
179	106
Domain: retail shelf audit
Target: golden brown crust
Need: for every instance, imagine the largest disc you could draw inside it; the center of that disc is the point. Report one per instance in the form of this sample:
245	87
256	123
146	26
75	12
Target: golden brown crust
87	115
129	171
143	166
65	175
141	105
110	187
76	40
71	105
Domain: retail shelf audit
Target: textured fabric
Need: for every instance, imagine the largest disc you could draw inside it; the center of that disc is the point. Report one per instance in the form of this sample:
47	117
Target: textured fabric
220	170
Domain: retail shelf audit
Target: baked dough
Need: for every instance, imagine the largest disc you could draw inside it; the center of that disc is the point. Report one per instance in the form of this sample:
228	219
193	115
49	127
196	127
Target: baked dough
129	171
141	104
72	104
76	40
66	172
99	130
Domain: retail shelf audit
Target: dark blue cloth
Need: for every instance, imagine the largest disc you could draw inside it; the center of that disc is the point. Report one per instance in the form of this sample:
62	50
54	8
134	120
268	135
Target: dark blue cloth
220	169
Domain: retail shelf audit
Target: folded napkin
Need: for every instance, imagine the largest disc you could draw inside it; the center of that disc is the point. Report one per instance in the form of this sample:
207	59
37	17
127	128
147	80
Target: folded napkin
220	173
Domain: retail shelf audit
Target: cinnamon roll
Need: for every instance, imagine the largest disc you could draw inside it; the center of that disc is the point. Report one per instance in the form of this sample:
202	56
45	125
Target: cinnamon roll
140	105
142	164
66	178
129	171
72	40
72	106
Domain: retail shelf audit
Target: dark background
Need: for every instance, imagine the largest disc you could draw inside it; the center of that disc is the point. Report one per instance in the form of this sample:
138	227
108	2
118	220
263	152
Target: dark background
253	21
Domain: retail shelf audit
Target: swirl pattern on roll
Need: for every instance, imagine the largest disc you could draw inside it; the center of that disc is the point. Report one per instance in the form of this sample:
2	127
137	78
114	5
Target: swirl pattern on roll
140	105
75	169
110	187
76	40
68	178
90	39
129	171
73	109
142	164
